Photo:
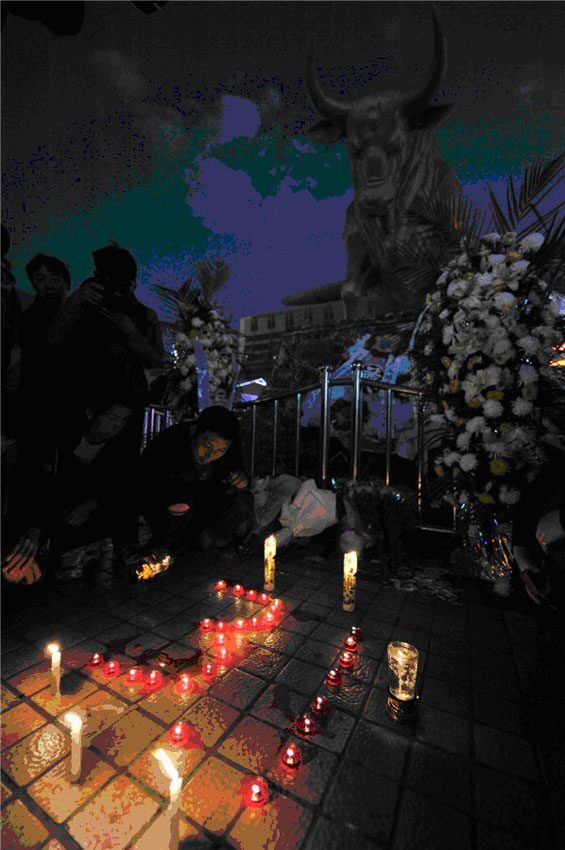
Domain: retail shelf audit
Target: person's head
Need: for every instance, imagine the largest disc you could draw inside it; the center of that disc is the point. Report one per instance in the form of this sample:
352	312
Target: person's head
216	429
116	268
50	278
107	422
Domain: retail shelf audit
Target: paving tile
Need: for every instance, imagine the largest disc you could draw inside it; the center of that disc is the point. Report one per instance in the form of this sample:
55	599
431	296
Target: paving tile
212	796
18	722
375	628
98	711
302	677
252	744
238	688
493	660
350	696
210	718
448	670
329	833
334	730
125	610
328	634
120	635
20	828
5	793
8	697
302	621
318	653
492	839
174	628
504	752
358	798
145	645
263	662
446	696
311	779
147	769
500	713
281	824
159	835
442	775
123	740
167	705
376	711
11	641
495	682
378	749
96	624
424	823
278	705
278	640
34	754
513	805
80	654
74	688
33	679
60	797
443	729
113	817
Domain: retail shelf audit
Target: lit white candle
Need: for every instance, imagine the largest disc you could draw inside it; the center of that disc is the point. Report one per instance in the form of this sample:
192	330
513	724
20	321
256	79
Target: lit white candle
175	787
75	722
349	580
270	552
55	653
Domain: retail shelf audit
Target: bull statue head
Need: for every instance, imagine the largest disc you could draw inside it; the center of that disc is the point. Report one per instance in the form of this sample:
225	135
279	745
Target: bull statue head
378	130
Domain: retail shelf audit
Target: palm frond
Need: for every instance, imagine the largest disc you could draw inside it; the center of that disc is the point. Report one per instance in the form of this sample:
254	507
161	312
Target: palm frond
211	275
538	181
449	215
499	220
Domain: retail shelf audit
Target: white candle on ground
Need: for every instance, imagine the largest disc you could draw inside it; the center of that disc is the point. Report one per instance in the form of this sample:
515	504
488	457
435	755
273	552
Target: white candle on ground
175	787
270	552
55	653
75	722
349	580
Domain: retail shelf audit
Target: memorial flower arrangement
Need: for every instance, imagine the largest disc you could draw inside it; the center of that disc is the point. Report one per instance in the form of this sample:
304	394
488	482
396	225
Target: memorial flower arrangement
203	357
484	349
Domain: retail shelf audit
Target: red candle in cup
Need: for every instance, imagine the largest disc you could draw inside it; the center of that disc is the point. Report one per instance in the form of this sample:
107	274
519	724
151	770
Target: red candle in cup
112	669
223	654
320	706
253	623
257	792
178	734
206	624
350	643
183	684
305	725
269	619
263	598
134	674
240	625
221	585
356	632
346	659
221	626
251	595
97	660
277	603
238	590
153	679
208	669
291	757
220	640
333	677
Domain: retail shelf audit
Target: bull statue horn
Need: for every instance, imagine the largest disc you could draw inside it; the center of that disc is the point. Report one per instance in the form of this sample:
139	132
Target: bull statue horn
416	103
329	107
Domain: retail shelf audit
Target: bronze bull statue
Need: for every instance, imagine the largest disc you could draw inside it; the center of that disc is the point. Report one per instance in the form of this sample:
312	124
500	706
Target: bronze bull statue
394	159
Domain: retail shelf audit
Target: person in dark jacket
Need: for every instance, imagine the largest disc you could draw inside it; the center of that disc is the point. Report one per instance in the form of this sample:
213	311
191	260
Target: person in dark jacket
193	485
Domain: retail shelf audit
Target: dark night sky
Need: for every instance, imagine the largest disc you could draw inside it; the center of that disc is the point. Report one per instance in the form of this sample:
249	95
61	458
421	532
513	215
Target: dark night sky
182	134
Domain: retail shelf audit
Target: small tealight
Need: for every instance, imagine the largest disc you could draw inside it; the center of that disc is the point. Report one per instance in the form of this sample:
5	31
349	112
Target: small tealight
291	757
346	659
333	677
206	624
350	643
221	626
183	684
320	706
257	792
223	654
253	623
112	669
263	598
97	660
238	590
153	679
221	585
273	609
134	674
240	625
208	669
356	632
277	603
220	640
251	595
305	725
269	619
178	734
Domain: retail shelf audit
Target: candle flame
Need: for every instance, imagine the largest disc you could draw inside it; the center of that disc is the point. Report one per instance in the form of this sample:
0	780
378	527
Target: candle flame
167	765
74	721
52	648
350	563
270	546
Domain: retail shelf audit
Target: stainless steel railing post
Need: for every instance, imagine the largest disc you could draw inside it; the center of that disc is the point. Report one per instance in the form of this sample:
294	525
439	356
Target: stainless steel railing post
275	437
418	404
388	446
253	437
297	435
356	417
324	424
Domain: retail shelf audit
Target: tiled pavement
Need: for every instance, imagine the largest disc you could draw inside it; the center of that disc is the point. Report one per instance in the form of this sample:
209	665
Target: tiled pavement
482	768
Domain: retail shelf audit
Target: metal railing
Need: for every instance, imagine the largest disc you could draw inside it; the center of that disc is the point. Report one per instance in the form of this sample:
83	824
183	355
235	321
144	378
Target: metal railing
157	417
357	383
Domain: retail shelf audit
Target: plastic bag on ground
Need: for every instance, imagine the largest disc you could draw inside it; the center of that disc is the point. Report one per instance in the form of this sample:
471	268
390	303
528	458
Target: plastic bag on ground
311	512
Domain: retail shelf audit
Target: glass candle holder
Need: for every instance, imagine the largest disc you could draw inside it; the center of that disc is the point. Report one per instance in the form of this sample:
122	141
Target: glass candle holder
346	659
251	595
333	677
220	640
356	632
254	623
221	585
97	660
240	625
183	684
221	626
263	598
238	590
178	734
153	679
222	655
112	669
256	792
305	725
269	620
291	757
350	643
402	672
320	706
133	675
207	624
208	670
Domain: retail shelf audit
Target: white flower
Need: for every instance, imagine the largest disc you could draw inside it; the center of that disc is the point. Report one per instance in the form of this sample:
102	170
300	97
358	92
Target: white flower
463	441
519	266
468	462
428	349
491	321
502	349
497	448
475	424
444	314
447	335
470	389
471	302
457	288
450	458
196	322
496	259
528	344
492	408
520	436
532	242
463	497
527	374
504	300
484	279
509	237
491	237
491	376
186	384
521	407
508	495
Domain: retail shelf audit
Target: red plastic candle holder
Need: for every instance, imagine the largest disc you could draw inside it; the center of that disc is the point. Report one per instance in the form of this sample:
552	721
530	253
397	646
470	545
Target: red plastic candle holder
153	679
256	792
350	643
346	659
269	620
240	625
223	655
206	625
134	674
183	684
291	757
208	669
263	598
220	640
221	585
333	677
320	706
305	725
97	660
221	626
277	603
112	669
251	595
238	590
253	623
178	734
356	632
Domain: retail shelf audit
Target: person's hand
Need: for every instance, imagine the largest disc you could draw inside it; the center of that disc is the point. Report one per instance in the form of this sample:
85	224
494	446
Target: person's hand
92	292
237	479
21	564
78	514
549	529
524	561
121	321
